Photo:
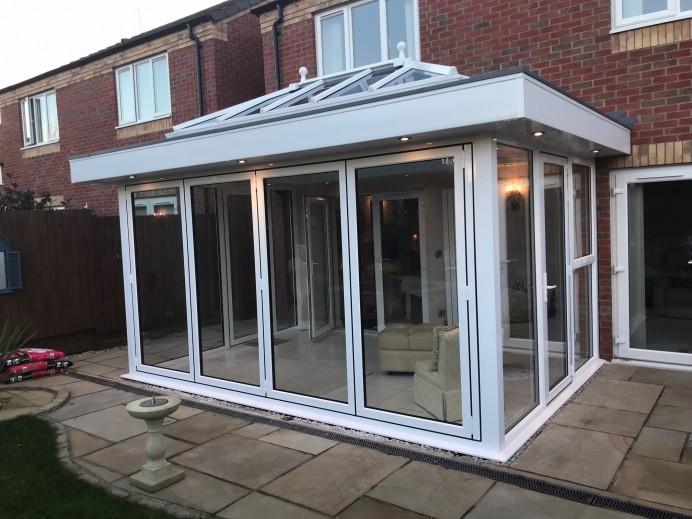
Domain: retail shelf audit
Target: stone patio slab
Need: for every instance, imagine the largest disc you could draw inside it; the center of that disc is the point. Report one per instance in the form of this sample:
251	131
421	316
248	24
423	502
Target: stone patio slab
240	460
663	377
83	387
431	491
185	412
255	430
96	369
624	423
334	479
128	456
200	492
620	394
366	508
112	423
121	361
655	480
676	396
203	427
669	417
660	443
82	443
506	501
617	371
92	402
52	381
589	458
106	475
267	507
299	441
99	356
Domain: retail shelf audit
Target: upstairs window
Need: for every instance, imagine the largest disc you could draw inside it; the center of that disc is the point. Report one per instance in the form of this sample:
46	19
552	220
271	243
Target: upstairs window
364	33
143	91
631	14
40	119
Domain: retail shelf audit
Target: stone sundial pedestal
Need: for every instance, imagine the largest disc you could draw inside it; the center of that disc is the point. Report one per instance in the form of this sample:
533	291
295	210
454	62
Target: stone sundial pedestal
157	472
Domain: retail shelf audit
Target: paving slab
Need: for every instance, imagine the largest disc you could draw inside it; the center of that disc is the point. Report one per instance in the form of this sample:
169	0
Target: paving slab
122	361
655	480
367	508
113	423
82	443
52	381
620	394
677	396
83	387
99	356
431	491
670	417
299	441
589	458
617	371
95	369
115	375
240	460
185	412
256	430
92	402
128	456
505	501
660	443
663	377
687	453
267	507
197	491
334	479
203	427
615	421
106	475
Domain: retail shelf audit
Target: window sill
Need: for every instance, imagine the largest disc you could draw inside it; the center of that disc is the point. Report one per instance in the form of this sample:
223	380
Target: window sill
141	128
40	149
651	35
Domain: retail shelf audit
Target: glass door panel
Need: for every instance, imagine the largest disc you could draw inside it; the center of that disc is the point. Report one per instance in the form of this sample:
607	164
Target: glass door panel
517	264
411	343
554	276
309	359
223	238
160	272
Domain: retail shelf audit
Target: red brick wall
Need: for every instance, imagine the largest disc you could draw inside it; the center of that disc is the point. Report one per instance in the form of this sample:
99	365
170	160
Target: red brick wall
296	49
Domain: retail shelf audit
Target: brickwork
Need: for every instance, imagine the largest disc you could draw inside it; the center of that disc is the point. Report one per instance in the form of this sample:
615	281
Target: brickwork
88	113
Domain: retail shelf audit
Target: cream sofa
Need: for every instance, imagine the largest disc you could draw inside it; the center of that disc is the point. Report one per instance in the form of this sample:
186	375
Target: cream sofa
401	345
437	389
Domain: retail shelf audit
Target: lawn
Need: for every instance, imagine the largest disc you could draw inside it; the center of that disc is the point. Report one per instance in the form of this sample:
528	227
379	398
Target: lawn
34	484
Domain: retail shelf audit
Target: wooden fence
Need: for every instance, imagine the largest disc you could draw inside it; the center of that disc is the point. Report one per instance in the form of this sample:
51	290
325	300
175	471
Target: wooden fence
72	294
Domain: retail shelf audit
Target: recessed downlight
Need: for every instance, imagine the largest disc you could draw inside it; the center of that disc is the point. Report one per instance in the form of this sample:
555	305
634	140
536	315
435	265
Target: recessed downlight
132	177
538	133
405	138
595	151
242	161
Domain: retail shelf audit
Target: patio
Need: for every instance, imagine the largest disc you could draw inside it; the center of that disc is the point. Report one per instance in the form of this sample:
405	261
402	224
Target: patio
623	443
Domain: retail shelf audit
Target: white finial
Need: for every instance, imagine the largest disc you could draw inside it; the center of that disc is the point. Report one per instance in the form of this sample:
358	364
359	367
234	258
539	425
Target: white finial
303	74
401	47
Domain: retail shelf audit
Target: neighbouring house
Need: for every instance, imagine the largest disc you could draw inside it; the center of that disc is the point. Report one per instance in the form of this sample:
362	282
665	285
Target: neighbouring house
434	225
126	94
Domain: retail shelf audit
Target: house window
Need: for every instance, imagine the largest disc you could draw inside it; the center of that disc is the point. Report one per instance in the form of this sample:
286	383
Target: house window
363	33
143	91
631	14
40	119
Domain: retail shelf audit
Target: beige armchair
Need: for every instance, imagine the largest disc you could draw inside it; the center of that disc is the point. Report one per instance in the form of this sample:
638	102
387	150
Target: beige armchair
437	388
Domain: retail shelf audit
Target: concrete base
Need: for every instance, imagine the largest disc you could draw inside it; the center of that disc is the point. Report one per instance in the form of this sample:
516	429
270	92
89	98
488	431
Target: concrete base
155	480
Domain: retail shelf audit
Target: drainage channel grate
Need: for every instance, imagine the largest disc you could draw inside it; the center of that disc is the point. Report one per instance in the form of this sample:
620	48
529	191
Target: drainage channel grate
527	482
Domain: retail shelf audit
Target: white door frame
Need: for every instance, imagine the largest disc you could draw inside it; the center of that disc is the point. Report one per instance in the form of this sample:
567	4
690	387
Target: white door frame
463	196
621	293
264	247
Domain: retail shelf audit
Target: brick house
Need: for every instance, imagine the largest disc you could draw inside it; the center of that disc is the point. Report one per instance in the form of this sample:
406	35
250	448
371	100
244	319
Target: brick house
98	102
519	170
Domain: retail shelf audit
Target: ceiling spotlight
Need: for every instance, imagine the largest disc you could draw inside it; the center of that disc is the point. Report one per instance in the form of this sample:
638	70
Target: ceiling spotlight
271	163
242	161
404	139
538	133
132	177
595	151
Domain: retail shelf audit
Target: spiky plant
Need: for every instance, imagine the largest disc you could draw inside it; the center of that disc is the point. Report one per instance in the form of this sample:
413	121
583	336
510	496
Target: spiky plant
14	335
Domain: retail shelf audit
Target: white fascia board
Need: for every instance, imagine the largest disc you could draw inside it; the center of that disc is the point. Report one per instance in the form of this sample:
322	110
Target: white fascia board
460	106
554	109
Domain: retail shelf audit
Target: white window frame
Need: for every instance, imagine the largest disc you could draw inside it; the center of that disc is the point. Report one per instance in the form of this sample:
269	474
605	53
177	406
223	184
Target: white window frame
670	14
346	11
33	135
131	68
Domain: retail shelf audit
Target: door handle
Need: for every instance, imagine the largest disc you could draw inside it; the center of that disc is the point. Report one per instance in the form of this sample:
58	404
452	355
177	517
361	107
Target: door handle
547	287
550	287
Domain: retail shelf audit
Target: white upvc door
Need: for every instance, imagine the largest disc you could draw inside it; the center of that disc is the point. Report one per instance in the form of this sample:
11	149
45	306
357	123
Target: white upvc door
652	270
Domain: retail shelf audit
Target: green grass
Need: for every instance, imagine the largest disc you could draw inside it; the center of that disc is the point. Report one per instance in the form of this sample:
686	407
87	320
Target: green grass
34	484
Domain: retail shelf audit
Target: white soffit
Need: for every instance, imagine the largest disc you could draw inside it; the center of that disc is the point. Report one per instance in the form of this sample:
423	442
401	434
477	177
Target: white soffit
441	106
